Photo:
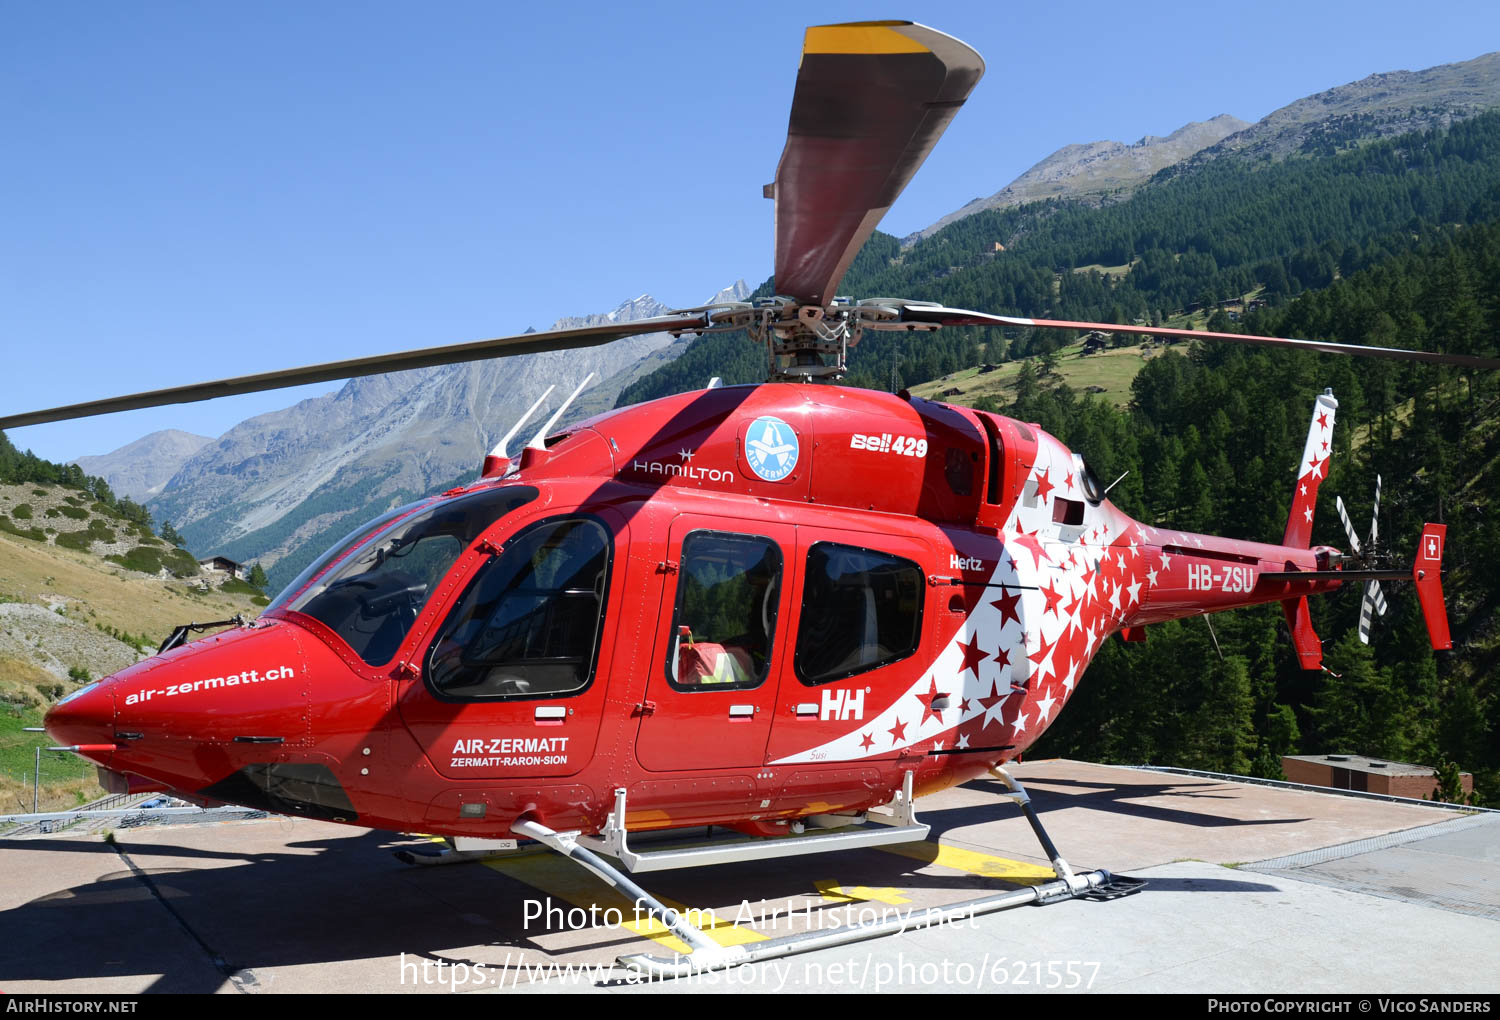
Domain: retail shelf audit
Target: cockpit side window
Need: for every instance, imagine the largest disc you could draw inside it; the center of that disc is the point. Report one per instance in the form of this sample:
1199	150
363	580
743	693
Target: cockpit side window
371	597
529	624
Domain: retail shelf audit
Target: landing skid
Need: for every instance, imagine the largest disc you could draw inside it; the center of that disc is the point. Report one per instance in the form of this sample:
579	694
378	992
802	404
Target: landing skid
898	824
707	955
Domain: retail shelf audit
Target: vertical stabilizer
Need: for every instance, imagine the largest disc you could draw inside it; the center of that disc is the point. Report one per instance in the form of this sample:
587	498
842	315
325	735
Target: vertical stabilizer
1304	639
1311	472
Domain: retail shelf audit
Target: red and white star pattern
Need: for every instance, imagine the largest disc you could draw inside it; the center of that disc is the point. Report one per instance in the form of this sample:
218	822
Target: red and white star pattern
1054	597
1314	468
1054	594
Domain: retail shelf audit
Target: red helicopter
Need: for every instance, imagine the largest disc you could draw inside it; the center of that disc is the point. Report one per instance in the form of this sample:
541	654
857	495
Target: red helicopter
774	608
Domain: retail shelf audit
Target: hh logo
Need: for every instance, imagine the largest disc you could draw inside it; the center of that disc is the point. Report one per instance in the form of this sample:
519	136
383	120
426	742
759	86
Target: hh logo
843	705
1432	547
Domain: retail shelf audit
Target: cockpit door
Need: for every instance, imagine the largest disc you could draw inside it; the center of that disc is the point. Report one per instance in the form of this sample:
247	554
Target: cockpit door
512	681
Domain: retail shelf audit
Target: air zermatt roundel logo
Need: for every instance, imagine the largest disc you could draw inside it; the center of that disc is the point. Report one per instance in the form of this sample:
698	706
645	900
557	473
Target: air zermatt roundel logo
771	448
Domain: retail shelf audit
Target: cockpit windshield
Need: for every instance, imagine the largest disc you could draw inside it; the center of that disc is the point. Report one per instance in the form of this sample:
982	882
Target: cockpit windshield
370	590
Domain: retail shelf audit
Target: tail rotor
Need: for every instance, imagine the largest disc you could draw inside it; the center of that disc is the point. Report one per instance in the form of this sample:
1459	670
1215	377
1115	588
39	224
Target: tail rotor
1373	602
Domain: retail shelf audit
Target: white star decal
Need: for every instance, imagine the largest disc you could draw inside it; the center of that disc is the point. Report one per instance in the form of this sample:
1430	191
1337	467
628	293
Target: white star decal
963	741
1151	578
1045	667
1020	723
1135	592
1166	562
995	710
1114	598
1044	708
1307	513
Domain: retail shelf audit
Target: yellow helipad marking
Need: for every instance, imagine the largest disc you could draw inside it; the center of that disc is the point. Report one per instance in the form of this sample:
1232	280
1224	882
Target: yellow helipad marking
972	862
832	892
560	878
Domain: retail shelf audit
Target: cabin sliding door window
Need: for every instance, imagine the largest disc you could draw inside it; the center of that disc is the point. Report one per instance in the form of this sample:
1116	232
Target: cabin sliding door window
861	609
529	624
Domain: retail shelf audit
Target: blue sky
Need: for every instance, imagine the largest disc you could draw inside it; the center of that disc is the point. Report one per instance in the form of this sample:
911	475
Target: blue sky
192	191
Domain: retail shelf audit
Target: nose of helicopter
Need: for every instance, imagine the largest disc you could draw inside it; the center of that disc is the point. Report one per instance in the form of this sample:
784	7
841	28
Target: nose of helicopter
84	719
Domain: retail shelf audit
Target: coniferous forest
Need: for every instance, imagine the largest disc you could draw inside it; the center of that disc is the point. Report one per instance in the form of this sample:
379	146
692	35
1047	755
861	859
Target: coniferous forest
1394	243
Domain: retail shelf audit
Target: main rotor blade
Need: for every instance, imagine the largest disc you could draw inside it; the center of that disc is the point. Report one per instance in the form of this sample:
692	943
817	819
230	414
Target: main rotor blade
960	317
425	357
872	99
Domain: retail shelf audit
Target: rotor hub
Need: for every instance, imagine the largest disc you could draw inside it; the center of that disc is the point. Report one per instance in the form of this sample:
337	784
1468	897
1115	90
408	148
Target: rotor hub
806	342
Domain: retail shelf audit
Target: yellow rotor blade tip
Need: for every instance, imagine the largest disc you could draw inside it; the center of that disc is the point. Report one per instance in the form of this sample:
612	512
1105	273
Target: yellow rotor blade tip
865	37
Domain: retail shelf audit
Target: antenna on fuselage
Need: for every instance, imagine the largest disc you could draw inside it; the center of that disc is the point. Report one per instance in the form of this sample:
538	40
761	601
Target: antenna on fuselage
497	460
541	433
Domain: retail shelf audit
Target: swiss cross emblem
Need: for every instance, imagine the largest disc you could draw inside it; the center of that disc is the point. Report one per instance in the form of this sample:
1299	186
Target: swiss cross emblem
1432	547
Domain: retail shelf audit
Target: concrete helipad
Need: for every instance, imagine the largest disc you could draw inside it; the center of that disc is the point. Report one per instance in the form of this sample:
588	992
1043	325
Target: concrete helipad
1355	895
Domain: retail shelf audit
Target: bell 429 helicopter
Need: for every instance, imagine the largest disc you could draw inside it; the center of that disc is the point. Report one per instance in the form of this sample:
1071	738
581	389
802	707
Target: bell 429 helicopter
776	608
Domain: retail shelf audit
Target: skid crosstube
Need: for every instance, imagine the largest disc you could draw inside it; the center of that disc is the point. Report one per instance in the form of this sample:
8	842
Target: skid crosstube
707	955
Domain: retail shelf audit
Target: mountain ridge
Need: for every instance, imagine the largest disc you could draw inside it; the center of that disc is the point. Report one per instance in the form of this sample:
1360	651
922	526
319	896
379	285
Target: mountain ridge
1096	169
1377	106
140	469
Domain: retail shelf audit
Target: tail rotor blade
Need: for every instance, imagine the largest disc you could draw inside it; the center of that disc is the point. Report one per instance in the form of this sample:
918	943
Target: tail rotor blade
1372	604
1338	501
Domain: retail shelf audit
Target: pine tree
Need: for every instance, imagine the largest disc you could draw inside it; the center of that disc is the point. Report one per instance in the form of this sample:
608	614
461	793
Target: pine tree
1450	784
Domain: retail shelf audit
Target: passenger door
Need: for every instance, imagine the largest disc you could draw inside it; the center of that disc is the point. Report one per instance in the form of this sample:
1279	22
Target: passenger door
863	637
715	669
